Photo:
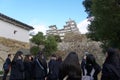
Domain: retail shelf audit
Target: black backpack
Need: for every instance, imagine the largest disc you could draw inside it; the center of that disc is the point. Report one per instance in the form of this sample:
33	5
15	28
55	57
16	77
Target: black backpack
6	66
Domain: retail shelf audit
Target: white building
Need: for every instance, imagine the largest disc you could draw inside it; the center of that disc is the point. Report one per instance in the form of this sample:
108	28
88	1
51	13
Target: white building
70	26
13	29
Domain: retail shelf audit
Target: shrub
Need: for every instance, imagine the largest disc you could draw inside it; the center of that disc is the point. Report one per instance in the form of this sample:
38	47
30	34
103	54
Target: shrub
34	50
1	72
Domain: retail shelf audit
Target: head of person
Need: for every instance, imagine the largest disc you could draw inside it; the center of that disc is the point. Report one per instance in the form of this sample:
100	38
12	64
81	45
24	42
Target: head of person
112	56
18	55
59	58
85	55
71	66
40	56
53	56
27	58
9	55
72	58
90	59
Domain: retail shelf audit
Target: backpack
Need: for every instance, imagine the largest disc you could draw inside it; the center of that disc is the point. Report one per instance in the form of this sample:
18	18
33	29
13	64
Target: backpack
6	66
87	77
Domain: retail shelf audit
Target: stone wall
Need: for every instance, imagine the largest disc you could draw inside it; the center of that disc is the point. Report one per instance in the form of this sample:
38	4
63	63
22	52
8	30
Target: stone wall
10	46
83	46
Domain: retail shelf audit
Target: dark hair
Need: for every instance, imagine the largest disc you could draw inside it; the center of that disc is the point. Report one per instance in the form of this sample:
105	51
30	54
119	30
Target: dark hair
9	55
72	58
26	59
90	59
18	53
53	55
71	66
39	54
59	58
113	56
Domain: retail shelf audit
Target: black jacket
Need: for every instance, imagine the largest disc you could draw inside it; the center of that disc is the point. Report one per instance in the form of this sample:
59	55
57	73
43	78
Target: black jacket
28	70
53	69
39	69
108	73
17	70
7	64
8	61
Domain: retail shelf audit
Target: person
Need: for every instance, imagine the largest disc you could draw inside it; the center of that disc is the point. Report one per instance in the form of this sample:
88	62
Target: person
6	66
111	66
17	67
28	67
90	69
70	68
59	62
83	63
53	68
39	67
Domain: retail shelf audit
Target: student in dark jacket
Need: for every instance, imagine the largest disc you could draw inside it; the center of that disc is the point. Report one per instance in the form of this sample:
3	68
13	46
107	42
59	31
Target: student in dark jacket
91	68
59	62
83	63
53	68
28	67
6	66
70	68
111	66
39	67
17	67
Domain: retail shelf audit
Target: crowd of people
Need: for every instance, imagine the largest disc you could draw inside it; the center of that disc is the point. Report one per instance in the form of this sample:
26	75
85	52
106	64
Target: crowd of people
37	68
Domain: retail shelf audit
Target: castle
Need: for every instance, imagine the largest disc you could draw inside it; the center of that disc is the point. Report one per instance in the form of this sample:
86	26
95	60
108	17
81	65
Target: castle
70	26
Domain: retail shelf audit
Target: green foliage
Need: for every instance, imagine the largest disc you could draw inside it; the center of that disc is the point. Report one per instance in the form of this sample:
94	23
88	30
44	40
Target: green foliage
50	45
34	50
87	4
38	39
57	38
1	72
106	26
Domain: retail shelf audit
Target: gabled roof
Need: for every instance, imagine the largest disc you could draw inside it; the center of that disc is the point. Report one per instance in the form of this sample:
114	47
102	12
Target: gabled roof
15	22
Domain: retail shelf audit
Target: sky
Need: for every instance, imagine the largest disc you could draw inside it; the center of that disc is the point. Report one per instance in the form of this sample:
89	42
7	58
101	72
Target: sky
42	13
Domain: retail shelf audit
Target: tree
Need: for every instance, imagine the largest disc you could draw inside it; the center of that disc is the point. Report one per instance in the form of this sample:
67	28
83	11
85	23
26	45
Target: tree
34	50
47	45
57	38
50	45
38	39
87	4
106	26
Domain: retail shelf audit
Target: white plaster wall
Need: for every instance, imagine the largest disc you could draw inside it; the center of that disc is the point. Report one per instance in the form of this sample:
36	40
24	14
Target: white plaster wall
7	31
